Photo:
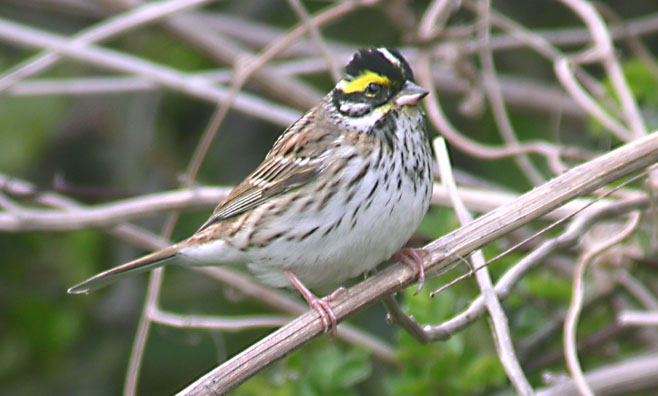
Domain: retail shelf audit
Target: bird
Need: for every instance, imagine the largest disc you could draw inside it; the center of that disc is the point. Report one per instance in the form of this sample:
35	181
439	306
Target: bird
341	191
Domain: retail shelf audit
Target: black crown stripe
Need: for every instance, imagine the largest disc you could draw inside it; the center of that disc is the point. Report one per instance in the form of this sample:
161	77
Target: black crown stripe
374	60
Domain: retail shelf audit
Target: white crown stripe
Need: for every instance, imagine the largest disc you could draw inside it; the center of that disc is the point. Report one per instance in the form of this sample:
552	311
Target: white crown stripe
388	55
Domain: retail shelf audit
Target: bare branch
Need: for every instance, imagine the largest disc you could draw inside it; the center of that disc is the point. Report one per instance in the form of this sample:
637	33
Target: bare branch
170	78
635	288
443	252
502	337
632	375
231	323
20	218
495	98
577	299
568	80
604	49
638	318
643	25
316	36
567	239
119	24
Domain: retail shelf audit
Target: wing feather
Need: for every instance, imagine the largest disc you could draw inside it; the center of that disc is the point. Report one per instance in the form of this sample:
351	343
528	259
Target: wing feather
293	162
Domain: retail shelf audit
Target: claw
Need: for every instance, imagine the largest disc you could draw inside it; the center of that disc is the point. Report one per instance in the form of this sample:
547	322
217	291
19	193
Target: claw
320	305
411	257
329	321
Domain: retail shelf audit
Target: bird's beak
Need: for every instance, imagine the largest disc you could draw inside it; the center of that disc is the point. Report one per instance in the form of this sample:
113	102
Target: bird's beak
410	94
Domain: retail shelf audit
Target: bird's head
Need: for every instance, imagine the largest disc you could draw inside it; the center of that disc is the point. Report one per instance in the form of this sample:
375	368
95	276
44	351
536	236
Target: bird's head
376	82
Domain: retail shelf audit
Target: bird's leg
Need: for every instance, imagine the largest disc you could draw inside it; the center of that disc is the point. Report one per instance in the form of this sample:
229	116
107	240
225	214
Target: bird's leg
320	305
411	257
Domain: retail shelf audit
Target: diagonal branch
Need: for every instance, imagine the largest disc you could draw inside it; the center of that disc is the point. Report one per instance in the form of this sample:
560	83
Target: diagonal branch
443	252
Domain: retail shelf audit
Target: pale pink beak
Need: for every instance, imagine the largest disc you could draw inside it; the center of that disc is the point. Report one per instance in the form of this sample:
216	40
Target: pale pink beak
410	94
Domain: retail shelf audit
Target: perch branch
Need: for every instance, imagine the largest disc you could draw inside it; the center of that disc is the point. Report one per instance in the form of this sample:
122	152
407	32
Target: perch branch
443	252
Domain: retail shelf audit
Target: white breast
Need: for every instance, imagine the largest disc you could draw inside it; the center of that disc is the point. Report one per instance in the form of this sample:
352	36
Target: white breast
348	238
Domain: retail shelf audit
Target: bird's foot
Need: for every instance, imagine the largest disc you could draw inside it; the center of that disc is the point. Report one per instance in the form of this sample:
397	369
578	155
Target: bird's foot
320	305
412	258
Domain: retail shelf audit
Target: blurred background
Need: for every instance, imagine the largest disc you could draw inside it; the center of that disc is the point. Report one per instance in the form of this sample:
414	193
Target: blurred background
123	120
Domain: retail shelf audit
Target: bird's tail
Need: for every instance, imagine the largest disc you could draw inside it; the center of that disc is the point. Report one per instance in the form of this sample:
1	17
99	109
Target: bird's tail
146	263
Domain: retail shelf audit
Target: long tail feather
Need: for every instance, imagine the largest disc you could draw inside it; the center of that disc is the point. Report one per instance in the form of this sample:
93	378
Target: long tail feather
142	264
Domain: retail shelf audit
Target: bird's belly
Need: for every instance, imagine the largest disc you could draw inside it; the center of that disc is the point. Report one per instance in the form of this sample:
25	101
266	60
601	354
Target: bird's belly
346	236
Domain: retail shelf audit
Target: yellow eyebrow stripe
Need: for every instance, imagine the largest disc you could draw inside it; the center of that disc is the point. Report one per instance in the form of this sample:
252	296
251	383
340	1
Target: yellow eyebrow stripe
360	83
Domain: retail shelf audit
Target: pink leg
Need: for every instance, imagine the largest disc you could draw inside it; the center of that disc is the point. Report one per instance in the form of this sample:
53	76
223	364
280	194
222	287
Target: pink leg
411	257
320	305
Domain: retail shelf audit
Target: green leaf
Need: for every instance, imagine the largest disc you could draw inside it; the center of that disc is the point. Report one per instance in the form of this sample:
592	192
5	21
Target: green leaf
356	367
547	286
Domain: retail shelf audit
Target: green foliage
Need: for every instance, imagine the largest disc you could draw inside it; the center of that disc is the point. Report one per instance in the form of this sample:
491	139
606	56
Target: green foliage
48	331
642	81
437	222
324	368
456	366
157	47
29	133
644	86
546	286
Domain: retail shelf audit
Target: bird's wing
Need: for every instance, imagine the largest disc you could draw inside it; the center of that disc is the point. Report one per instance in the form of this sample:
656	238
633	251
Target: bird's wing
294	161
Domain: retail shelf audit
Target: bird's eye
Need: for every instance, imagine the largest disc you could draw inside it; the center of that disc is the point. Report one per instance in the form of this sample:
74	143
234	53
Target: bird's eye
372	89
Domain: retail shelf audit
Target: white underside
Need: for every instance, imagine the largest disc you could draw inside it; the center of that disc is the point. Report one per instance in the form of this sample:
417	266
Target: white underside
346	252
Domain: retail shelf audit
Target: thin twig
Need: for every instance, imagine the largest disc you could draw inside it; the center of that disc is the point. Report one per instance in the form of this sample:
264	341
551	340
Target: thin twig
317	38
495	97
165	76
435	18
603	45
407	322
546	49
636	289
635	374
20	218
116	25
640	26
502	336
569	82
632	40
505	284
141	334
231	323
439	120
571	321
638	318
